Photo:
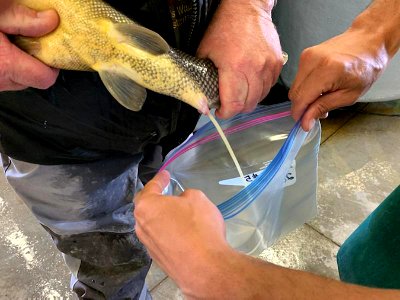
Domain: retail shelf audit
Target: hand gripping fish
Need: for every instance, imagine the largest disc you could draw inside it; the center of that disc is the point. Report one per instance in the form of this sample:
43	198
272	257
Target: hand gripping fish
93	36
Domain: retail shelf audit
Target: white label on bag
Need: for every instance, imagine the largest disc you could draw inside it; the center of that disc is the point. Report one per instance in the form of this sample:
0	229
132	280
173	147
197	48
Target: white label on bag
290	178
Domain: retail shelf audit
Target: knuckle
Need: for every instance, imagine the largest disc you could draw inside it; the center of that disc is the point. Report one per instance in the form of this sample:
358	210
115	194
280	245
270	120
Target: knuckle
47	82
321	109
194	194
235	106
139	212
190	192
294	94
139	232
307	54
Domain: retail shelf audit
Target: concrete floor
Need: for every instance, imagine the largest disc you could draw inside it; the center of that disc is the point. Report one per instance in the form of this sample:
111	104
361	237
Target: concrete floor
359	165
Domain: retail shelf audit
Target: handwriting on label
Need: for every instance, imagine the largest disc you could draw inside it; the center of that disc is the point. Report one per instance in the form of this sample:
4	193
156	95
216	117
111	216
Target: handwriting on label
290	177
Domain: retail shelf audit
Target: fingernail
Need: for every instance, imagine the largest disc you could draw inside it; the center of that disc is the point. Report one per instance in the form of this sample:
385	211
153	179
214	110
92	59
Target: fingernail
43	14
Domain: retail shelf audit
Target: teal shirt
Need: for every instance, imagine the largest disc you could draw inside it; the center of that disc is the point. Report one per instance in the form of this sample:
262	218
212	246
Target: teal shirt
371	255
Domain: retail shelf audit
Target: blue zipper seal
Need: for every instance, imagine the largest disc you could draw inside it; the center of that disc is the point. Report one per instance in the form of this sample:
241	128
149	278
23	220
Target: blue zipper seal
239	202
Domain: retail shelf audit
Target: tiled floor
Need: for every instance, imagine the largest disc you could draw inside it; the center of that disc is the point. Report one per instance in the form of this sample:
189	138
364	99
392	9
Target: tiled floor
358	166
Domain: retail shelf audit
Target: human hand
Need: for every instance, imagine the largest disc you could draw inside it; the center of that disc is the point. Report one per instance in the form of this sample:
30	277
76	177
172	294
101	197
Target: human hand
184	234
19	70
336	73
243	44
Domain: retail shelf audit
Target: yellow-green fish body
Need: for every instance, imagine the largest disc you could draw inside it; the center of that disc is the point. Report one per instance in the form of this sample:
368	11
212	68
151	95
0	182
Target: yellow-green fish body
129	58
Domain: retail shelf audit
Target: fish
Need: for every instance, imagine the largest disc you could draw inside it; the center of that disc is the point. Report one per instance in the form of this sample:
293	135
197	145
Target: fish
129	58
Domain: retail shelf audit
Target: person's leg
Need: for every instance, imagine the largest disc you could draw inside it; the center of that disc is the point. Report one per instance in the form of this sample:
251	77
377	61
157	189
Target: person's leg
87	209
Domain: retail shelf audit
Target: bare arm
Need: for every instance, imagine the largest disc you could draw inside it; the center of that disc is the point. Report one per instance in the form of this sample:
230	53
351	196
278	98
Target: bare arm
338	71
237	276
243	43
185	235
19	70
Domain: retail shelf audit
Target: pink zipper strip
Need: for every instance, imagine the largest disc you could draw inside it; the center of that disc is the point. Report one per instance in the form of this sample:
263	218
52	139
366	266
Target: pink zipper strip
227	132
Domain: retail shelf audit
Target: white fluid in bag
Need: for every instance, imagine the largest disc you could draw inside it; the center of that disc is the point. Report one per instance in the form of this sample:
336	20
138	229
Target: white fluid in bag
228	147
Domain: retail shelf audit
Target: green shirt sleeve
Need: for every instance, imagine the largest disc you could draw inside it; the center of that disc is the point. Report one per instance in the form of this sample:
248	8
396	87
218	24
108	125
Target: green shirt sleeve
371	255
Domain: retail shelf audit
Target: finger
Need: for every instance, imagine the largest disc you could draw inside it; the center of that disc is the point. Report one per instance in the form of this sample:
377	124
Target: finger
12	86
233	90
324	116
255	94
21	20
324	104
157	184
267	85
317	83
5	4
306	65
29	71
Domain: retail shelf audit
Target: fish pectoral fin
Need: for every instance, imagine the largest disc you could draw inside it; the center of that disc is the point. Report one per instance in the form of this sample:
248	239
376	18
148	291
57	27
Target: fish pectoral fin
142	38
127	92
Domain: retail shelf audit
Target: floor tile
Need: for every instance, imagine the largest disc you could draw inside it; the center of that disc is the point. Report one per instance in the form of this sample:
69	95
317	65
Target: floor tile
334	122
358	167
304	249
390	108
155	276
167	290
30	265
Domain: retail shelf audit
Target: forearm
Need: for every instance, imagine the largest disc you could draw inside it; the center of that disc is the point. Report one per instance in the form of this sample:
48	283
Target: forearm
237	276
382	18
281	283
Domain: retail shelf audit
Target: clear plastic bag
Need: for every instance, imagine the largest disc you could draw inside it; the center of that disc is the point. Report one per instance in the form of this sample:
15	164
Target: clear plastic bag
279	161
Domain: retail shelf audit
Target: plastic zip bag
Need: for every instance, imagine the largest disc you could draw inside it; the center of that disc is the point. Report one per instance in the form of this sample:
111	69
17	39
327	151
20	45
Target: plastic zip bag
279	161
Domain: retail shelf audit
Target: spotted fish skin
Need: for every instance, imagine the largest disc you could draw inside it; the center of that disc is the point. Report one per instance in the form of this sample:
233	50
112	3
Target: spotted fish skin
203	71
93	36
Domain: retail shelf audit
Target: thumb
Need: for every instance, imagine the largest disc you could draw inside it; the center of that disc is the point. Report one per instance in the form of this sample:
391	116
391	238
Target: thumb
154	187
20	20
157	184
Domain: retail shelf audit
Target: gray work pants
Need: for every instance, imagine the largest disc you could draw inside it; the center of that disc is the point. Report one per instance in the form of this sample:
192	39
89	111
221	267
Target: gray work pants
87	209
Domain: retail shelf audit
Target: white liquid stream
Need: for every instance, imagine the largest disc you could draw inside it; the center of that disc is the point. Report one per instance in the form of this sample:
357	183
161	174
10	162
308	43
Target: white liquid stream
228	146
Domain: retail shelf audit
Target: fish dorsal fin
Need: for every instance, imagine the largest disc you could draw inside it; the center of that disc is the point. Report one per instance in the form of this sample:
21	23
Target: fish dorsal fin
127	92
142	38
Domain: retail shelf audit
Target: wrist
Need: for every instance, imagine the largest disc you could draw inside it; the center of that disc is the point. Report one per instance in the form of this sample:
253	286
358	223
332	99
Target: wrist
212	275
380	26
228	274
